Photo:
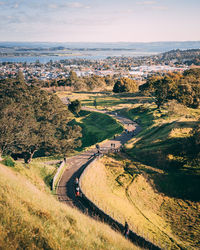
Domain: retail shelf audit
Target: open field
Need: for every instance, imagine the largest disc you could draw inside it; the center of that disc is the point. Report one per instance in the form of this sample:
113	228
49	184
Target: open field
31	218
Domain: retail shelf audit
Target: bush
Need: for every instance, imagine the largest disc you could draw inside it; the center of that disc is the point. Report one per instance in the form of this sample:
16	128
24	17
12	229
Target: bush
8	161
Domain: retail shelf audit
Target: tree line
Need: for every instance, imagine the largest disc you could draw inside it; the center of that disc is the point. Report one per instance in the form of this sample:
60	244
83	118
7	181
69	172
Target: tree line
90	83
184	88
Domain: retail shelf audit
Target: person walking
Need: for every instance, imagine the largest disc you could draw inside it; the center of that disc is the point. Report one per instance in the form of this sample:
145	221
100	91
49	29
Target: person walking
77	192
126	230
76	181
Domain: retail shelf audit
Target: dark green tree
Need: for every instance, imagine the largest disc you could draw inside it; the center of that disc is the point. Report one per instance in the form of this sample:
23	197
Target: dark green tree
75	106
33	120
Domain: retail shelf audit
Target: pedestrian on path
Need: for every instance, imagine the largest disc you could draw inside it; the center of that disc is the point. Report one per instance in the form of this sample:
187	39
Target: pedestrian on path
126	230
77	192
77	181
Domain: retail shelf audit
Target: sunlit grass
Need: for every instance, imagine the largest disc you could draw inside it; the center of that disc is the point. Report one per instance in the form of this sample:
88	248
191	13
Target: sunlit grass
33	219
120	189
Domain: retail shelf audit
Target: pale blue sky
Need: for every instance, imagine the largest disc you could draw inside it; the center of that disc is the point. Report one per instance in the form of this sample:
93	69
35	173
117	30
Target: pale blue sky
99	20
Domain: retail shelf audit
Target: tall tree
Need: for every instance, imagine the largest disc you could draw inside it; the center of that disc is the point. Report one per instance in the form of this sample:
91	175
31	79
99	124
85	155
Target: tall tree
32	119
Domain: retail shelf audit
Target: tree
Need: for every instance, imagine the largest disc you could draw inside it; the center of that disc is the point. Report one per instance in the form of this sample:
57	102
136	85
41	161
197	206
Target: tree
183	88
125	85
75	106
33	120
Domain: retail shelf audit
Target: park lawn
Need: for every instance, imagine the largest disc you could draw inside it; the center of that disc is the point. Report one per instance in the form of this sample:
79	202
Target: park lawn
31	218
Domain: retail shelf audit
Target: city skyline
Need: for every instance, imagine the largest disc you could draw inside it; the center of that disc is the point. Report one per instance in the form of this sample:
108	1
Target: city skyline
99	21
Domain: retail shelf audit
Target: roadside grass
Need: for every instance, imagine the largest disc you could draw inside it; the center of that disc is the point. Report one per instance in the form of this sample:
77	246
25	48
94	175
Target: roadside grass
33	219
125	190
96	127
40	171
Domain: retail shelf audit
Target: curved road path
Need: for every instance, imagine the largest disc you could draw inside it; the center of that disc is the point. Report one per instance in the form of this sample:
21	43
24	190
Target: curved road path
76	164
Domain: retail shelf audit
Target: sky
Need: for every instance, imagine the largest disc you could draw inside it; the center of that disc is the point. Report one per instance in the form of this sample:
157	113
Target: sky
99	20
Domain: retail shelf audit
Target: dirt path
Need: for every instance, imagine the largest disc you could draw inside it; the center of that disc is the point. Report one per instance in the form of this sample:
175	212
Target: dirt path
77	164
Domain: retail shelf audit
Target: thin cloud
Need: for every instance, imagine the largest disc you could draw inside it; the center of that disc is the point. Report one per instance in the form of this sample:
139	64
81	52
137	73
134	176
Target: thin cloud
76	5
53	6
160	7
147	3
72	5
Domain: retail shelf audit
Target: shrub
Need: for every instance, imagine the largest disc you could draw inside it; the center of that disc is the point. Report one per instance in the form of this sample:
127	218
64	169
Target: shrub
8	161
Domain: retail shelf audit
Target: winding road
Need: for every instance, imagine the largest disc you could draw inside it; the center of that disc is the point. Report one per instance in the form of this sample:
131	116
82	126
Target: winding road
76	165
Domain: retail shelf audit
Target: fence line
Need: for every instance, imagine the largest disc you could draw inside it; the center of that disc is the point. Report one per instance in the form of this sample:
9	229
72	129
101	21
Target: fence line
57	175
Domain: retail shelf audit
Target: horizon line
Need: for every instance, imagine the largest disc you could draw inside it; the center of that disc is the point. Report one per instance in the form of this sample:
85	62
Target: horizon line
169	41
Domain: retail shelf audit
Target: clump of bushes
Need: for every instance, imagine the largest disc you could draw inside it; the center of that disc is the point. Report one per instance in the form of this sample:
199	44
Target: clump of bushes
8	161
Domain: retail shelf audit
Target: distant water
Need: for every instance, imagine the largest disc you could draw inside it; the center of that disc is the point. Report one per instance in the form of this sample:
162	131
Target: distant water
93	56
94	51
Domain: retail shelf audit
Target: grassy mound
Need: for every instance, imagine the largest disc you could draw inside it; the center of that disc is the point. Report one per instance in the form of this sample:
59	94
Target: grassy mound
33	219
165	143
126	191
155	183
97	127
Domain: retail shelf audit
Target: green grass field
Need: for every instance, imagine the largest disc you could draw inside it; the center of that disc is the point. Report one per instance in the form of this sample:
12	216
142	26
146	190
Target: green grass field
32	218
96	127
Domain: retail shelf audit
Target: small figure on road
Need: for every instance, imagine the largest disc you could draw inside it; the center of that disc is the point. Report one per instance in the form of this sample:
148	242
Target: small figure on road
65	159
77	192
76	181
126	230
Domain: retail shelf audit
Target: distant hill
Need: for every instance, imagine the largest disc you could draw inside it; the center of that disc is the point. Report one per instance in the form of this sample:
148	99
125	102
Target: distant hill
149	47
189	56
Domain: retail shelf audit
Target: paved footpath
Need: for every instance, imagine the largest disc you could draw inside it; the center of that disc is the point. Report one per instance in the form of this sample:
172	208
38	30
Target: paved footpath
76	165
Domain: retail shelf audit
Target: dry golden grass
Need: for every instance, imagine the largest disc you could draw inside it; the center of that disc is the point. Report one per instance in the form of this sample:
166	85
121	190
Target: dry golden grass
131	197
33	219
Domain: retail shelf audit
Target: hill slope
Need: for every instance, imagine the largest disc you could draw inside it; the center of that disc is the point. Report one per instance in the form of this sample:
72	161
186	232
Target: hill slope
32	219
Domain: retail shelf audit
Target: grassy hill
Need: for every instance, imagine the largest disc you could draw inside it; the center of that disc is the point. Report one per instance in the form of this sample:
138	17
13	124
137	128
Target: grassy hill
32	218
155	183
96	127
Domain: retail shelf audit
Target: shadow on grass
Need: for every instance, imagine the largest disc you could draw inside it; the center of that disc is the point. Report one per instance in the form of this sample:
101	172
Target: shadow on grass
96	127
177	157
179	185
